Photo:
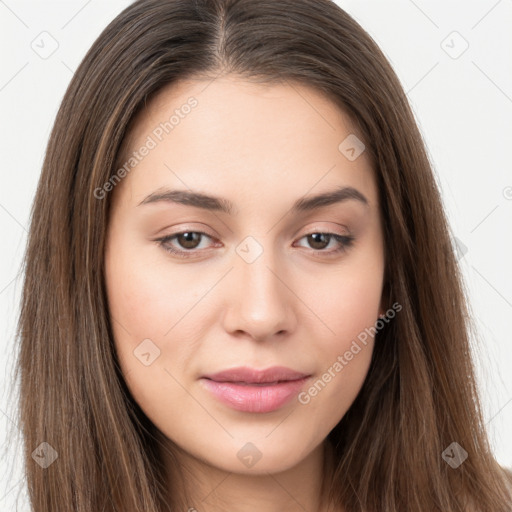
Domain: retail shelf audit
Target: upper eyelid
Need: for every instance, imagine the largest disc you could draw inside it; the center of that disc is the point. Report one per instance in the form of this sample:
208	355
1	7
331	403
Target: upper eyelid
181	232
314	229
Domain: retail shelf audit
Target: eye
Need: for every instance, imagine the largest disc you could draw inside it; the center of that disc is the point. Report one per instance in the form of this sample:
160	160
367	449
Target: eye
319	241
190	241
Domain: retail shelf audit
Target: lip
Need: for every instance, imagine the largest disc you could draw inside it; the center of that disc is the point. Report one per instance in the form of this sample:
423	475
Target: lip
251	390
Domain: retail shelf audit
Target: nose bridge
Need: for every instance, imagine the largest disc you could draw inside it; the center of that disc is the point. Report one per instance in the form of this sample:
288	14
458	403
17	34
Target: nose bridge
260	302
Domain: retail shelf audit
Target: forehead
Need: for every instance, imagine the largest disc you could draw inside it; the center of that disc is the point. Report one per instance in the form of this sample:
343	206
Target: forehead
249	136
230	102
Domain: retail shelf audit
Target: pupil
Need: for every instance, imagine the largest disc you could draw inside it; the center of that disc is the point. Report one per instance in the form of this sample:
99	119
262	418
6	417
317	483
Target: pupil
316	238
189	239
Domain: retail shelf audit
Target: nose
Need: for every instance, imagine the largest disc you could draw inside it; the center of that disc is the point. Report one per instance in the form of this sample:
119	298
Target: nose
260	301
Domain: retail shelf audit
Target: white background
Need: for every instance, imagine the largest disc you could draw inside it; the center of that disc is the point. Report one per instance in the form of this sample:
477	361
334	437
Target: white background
463	106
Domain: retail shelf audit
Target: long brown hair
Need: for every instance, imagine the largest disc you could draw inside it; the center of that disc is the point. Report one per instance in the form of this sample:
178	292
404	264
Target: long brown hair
420	394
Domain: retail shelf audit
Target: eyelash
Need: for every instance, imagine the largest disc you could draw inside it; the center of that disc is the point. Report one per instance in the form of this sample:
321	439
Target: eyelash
345	241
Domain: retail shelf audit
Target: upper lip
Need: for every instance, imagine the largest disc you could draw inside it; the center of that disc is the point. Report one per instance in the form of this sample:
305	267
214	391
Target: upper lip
252	375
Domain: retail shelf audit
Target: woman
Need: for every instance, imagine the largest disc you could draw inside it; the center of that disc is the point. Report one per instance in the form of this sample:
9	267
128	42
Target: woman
241	292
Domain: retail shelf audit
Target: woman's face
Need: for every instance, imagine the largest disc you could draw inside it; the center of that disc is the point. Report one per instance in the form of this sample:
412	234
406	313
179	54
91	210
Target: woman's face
263	276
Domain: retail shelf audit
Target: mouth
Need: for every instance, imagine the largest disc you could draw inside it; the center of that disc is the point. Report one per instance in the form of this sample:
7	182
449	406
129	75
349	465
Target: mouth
257	391
262	384
247	375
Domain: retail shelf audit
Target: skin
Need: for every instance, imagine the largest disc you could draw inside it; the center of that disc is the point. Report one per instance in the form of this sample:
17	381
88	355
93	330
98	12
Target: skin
261	147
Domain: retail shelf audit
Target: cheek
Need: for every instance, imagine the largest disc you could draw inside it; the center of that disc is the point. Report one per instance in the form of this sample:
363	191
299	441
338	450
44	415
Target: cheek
343	358
348	302
154	321
145	299
137	305
348	305
144	307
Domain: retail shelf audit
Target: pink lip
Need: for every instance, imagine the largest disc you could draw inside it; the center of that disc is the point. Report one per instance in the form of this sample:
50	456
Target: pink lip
250	390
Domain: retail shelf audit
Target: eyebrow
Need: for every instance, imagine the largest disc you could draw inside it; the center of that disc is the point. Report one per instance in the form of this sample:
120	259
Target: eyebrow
212	203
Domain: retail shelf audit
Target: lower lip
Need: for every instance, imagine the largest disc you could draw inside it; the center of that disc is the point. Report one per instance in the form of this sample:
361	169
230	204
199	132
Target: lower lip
254	398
